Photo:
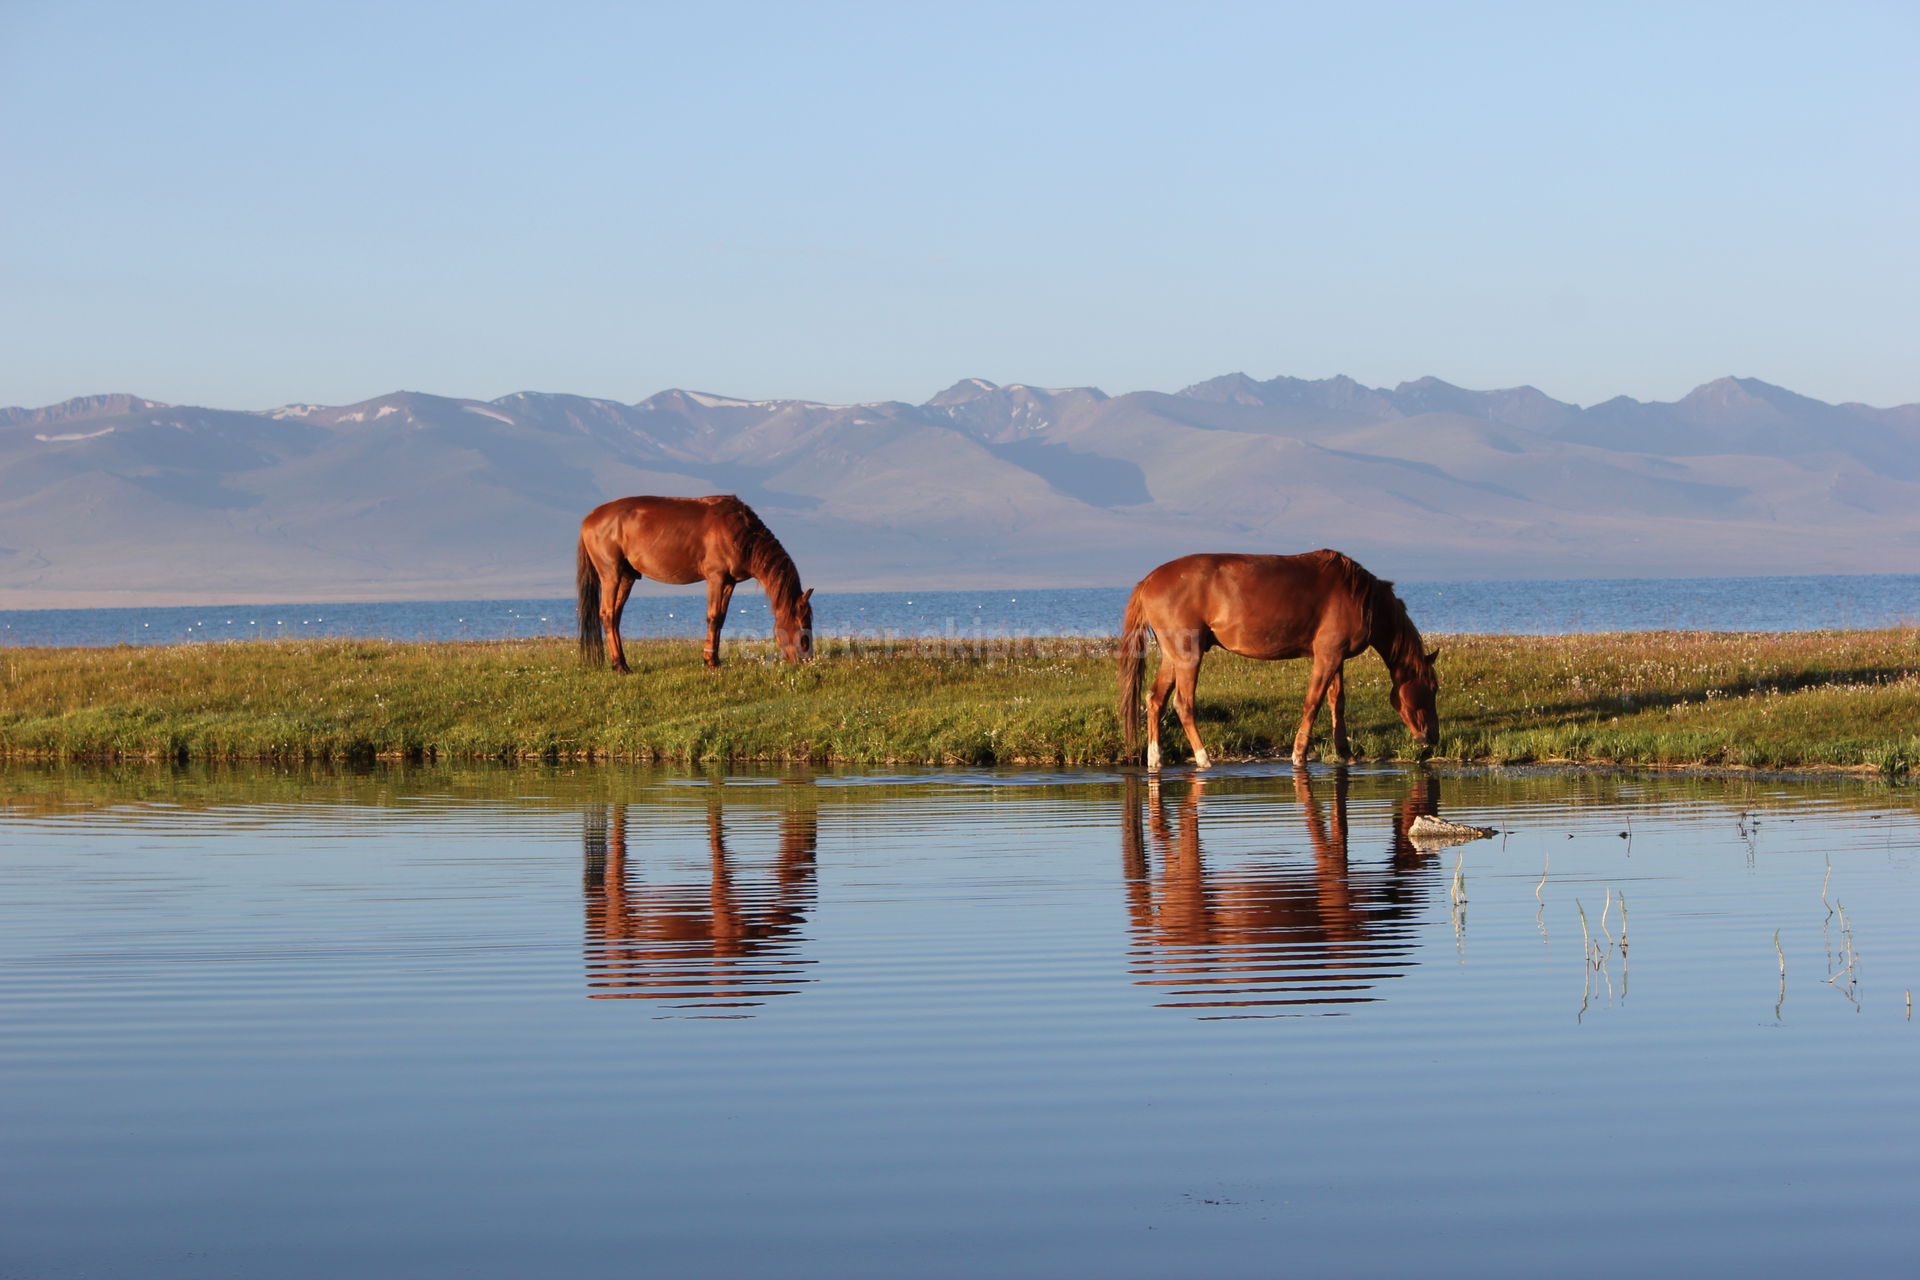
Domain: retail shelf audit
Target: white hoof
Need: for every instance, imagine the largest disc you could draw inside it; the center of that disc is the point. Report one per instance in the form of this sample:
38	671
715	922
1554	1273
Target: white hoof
1201	760
1153	755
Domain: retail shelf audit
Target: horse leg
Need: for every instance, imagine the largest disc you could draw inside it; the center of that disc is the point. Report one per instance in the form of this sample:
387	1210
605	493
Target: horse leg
719	593
1156	701
1337	706
612	604
1186	678
1324	673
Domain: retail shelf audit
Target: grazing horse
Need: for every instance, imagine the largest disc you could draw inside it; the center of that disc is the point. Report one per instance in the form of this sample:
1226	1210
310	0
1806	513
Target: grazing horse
680	540
1319	605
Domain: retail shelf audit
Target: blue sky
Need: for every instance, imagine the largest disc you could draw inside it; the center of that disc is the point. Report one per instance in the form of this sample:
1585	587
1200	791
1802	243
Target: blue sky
249	204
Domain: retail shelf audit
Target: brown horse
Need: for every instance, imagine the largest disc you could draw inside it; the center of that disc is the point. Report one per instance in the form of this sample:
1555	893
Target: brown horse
1319	605
680	540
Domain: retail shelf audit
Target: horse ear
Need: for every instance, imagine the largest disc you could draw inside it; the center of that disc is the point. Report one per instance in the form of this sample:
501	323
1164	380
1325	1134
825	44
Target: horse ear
1431	655
806	595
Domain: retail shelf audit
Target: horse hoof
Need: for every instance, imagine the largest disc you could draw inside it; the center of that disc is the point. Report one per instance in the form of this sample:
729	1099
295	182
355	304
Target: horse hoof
1201	760
1153	757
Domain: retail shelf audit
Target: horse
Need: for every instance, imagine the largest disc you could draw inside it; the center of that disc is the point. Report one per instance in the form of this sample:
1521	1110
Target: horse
1320	605
718	539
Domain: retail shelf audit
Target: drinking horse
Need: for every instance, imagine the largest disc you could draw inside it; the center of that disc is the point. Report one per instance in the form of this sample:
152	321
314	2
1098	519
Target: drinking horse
680	540
1320	605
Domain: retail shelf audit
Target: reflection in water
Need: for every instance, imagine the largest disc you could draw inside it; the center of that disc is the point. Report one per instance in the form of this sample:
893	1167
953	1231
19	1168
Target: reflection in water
1268	937
725	943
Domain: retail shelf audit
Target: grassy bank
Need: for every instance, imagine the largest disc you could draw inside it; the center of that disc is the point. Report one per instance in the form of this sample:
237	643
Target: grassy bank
1799	700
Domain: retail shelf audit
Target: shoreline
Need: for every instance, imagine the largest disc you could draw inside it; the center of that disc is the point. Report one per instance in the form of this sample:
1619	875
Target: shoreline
1797	702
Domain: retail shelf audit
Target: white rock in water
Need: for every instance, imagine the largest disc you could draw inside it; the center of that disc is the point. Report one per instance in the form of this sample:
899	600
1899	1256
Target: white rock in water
1429	830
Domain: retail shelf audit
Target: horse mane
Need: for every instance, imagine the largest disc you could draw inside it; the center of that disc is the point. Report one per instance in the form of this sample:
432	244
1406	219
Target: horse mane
767	560
1401	646
1389	627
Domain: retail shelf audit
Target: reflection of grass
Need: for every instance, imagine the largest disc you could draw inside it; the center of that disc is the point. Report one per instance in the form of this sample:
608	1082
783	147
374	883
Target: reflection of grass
1841	699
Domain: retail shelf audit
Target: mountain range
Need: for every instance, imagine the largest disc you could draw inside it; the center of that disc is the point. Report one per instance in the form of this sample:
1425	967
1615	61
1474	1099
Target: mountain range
114	499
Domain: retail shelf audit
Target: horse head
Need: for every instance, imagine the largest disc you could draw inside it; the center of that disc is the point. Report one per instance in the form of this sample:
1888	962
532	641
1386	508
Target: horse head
1415	690
794	633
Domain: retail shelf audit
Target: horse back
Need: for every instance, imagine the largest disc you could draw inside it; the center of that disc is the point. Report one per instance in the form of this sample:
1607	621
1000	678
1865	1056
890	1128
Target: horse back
1260	606
677	540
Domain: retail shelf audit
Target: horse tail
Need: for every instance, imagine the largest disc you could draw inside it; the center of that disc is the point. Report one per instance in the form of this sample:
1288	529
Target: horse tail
593	641
1133	665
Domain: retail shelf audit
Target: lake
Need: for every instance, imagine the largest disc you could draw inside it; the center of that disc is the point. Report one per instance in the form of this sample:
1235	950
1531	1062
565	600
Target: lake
425	1022
1808	603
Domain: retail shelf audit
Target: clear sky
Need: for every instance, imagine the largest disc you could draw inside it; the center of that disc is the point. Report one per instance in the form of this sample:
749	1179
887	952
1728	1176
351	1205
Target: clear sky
249	204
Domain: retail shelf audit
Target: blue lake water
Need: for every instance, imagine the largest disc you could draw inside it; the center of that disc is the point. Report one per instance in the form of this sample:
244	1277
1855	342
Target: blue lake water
1811	603
422	1022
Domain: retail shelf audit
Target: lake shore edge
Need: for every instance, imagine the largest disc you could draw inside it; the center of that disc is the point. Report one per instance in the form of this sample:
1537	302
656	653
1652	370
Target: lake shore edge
1790	702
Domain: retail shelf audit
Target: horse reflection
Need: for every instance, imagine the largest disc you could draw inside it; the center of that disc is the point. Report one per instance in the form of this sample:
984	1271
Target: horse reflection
1269	937
721	945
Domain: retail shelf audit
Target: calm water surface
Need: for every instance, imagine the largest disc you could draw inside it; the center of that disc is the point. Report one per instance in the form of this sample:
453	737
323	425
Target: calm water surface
505	1023
1810	603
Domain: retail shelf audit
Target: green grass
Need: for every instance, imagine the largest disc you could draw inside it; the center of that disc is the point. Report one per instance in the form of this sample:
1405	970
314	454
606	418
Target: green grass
1791	701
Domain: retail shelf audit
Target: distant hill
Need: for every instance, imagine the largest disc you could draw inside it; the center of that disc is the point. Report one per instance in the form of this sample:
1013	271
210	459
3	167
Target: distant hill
114	499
